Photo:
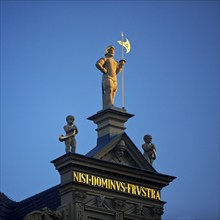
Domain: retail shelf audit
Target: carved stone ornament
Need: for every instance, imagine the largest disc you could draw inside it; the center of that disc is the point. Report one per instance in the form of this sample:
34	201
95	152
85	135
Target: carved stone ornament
63	211
119	204
43	214
79	196
157	212
138	209
119	153
79	209
100	201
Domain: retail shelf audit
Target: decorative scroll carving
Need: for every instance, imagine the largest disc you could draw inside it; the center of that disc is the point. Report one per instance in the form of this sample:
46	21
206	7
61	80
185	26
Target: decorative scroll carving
119	204
101	202
80	211
63	211
139	210
157	212
79	196
119	216
43	214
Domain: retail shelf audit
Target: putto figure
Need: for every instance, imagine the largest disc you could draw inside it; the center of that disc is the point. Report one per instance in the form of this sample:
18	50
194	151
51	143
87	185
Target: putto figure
71	130
110	68
149	149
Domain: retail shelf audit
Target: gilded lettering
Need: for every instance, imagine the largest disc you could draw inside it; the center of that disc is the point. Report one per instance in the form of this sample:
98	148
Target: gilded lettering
116	185
133	189
113	185
75	176
144	194
87	179
105	183
122	187
83	178
152	194
99	181
148	192
93	180
129	188
138	190
158	195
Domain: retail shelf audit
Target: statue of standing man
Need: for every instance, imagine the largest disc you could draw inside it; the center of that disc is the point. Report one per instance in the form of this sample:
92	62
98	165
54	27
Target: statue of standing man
110	68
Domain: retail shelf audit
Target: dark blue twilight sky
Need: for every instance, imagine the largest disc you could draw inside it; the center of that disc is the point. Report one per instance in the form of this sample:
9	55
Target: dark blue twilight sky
48	55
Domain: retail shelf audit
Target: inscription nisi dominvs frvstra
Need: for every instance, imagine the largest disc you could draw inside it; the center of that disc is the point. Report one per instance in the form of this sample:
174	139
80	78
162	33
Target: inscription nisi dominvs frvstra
115	185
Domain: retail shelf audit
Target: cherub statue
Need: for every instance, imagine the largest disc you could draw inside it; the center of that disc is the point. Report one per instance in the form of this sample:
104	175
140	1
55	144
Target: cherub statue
71	130
149	149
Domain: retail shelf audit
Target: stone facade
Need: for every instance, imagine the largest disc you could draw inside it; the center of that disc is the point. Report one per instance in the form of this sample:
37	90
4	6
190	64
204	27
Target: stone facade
113	181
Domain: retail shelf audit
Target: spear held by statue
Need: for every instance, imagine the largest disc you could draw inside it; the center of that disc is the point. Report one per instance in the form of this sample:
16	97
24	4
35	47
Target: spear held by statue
124	44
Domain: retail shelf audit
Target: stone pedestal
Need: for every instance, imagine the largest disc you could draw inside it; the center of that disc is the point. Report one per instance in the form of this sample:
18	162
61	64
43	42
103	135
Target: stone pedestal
110	122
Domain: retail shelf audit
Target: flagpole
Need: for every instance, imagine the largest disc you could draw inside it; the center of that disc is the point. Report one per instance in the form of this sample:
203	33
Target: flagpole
122	81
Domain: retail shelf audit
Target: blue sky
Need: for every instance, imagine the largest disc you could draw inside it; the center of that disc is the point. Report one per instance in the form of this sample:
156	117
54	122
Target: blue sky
48	55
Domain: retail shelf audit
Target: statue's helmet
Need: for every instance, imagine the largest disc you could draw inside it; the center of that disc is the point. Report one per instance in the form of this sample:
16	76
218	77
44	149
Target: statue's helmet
107	49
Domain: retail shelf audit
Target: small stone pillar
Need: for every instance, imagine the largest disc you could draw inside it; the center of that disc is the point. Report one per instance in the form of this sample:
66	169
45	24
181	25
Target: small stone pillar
110	122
